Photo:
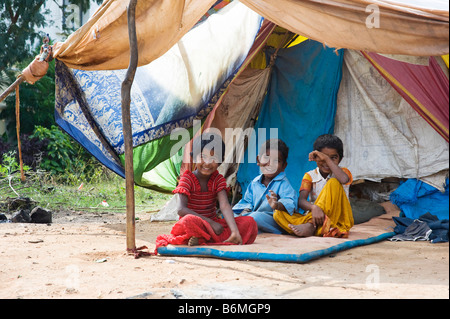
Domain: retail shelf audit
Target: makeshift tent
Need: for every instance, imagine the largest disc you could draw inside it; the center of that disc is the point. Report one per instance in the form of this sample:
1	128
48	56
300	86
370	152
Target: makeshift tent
186	82
208	61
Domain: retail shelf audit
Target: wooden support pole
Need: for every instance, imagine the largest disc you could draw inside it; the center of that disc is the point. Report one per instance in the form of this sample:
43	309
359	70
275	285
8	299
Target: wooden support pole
12	87
127	130
19	143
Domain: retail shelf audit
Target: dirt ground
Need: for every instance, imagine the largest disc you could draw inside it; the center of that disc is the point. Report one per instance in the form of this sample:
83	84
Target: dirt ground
83	255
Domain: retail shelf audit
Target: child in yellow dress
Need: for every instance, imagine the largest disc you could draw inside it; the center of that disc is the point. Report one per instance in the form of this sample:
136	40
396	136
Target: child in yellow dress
327	212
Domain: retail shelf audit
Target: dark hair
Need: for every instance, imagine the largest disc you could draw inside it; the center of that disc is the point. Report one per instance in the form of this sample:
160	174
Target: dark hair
329	141
276	144
208	141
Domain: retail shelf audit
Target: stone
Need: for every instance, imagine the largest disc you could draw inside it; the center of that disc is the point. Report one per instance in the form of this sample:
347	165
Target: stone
40	215
21	216
15	204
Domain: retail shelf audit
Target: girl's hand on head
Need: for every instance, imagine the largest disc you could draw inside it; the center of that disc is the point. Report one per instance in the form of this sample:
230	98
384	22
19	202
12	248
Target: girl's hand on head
312	156
317	156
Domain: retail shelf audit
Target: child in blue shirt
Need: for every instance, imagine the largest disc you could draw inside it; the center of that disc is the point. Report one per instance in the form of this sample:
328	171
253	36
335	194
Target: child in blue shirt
269	191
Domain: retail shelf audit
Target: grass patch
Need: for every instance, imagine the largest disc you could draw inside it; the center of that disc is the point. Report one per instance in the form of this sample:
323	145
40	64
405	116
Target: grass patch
59	197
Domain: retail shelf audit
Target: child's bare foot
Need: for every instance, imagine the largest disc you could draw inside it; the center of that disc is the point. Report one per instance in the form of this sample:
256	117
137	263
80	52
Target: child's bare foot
193	241
303	230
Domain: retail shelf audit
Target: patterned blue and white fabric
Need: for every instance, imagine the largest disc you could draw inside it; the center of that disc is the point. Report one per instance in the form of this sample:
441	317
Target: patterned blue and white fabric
171	92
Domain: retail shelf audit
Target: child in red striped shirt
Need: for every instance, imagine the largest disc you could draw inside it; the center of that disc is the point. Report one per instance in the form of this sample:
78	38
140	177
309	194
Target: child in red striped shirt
200	191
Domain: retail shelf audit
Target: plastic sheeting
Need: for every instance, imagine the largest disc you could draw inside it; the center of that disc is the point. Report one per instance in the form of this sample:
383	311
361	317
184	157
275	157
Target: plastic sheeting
424	87
383	135
415	198
238	109
92	114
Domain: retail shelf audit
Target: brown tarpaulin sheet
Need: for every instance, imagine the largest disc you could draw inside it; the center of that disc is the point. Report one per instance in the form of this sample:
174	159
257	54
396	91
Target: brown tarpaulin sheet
403	29
102	43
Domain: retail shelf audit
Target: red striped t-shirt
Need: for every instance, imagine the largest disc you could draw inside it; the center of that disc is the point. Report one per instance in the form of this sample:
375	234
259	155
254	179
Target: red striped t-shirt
203	203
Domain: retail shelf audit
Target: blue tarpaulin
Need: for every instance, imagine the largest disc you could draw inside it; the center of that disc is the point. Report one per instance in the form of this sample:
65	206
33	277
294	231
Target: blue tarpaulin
415	198
300	104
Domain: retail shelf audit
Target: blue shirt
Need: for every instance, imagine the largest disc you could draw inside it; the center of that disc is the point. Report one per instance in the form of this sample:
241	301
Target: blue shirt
255	196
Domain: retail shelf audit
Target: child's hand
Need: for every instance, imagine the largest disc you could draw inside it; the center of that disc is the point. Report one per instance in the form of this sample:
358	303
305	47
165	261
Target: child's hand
272	199
317	156
318	216
235	238
218	228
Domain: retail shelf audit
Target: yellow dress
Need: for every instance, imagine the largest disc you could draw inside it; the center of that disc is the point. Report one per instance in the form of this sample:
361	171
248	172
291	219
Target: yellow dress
334	202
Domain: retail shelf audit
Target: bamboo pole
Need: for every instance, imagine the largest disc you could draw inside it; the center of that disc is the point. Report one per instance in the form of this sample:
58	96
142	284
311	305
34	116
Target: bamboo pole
19	143
127	130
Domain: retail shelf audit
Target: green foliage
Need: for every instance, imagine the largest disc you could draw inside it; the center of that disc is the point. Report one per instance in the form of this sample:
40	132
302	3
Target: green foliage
7	167
33	150
20	43
4	147
60	150
37	103
10	165
66	160
19	20
85	168
61	198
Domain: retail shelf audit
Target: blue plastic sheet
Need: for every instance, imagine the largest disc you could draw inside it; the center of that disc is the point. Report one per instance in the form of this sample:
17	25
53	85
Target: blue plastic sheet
415	198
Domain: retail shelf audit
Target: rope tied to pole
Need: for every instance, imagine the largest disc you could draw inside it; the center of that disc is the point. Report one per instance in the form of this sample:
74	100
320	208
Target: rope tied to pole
32	73
38	68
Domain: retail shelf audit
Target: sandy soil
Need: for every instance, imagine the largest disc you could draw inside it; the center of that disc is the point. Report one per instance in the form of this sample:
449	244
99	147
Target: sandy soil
83	255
